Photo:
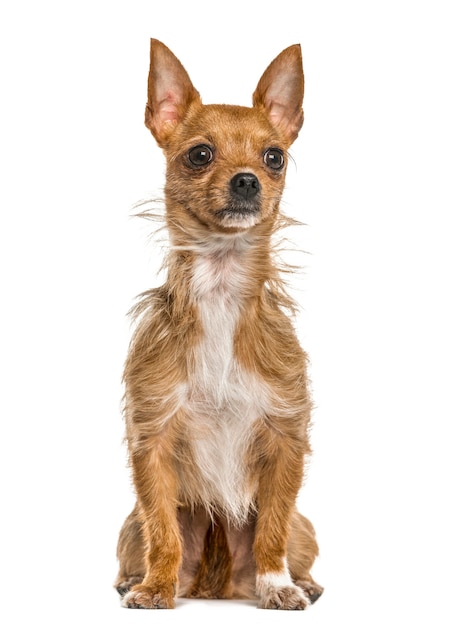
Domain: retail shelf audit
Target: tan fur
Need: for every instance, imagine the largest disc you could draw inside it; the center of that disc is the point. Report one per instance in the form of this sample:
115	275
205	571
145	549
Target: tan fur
217	406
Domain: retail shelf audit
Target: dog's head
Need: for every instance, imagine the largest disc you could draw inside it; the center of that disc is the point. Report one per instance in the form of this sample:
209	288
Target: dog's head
225	164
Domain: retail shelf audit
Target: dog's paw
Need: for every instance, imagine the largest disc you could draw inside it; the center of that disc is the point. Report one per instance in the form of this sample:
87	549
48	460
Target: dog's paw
125	585
277	591
312	590
143	597
289	598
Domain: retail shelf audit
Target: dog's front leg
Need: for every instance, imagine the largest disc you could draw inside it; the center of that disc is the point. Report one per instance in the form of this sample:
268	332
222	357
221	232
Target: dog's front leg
156	485
280	481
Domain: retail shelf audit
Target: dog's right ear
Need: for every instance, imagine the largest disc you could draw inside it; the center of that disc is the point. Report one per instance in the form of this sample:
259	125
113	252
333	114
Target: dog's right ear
170	92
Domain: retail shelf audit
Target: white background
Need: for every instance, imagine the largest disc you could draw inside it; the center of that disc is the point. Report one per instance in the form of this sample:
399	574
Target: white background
376	181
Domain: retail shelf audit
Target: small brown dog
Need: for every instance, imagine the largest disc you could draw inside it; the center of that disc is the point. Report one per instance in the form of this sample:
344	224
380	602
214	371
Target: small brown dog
217	407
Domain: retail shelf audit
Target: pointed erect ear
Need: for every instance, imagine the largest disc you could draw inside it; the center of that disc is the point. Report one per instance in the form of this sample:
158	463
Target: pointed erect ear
280	92
170	92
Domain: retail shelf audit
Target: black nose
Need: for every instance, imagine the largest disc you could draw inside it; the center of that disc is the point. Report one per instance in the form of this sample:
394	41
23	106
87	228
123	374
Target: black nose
245	185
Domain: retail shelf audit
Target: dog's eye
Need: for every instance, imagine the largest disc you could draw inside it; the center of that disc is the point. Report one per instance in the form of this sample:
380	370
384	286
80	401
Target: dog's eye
200	155
274	158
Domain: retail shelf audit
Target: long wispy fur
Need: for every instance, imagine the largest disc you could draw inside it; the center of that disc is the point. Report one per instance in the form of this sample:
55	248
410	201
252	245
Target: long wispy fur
153	210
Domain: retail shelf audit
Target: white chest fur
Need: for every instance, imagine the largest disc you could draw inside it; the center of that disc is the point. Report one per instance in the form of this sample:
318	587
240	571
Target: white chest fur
224	400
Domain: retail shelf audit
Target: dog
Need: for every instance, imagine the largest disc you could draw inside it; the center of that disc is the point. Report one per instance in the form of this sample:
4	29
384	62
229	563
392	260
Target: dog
216	405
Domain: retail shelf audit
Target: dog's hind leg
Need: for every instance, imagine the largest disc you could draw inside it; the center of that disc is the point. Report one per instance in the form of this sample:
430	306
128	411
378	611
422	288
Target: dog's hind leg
130	553
302	551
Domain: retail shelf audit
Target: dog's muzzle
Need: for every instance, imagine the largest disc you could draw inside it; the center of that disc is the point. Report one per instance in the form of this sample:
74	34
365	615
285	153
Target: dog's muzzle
244	197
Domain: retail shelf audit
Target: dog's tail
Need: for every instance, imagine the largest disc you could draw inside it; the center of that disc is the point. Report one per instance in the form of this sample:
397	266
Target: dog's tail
213	578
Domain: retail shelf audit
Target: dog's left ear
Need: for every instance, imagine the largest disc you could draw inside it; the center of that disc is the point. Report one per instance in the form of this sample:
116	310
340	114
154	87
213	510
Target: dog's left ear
280	92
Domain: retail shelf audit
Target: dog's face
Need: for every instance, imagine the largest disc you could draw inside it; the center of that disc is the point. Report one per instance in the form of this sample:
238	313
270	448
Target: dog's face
226	164
226	167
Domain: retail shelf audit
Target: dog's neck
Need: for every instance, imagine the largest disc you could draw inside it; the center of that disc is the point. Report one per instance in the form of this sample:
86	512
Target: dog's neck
209	264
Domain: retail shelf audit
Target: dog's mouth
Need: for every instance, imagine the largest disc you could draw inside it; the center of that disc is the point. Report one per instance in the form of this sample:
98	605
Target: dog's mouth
239	214
244	202
239	210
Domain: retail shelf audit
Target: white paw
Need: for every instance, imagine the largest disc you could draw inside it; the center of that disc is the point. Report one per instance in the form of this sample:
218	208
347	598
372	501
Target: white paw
277	591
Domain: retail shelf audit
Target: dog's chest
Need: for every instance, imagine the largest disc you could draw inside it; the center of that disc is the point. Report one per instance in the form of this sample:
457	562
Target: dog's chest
224	400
